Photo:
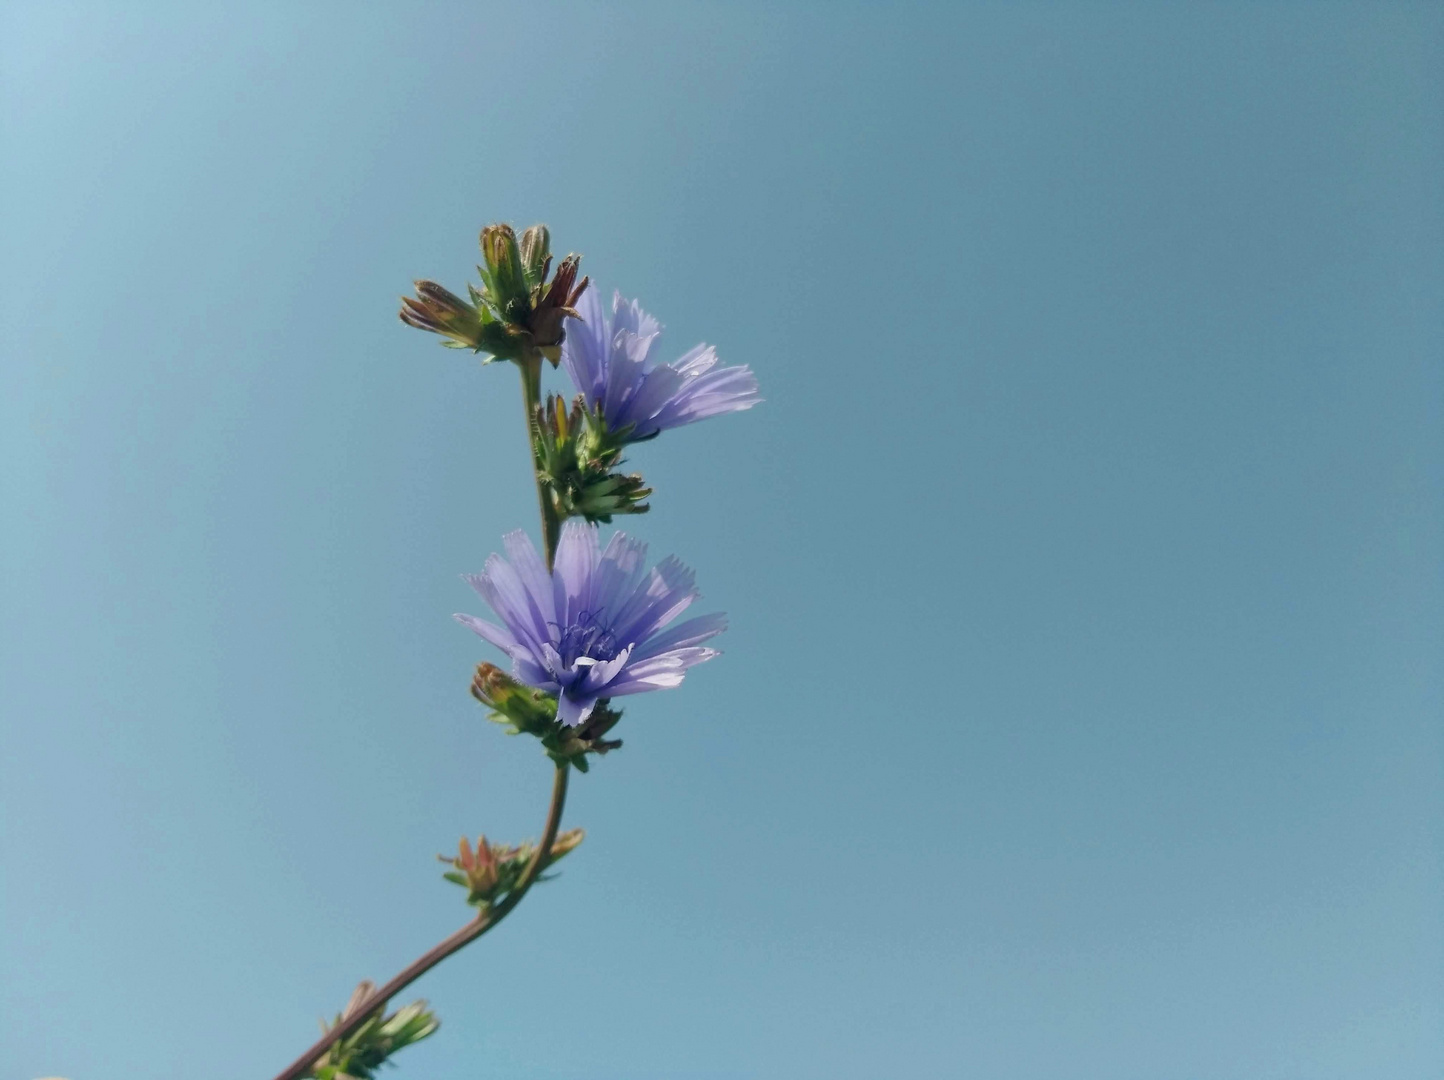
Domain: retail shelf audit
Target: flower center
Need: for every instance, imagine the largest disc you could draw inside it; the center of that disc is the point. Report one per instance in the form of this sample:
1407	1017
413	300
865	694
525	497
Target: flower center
589	636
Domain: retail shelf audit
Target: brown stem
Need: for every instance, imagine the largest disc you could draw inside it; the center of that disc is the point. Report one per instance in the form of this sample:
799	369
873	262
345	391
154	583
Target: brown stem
465	936
551	531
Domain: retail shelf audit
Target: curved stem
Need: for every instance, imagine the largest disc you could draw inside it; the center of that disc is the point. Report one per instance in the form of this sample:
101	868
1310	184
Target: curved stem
463	937
551	532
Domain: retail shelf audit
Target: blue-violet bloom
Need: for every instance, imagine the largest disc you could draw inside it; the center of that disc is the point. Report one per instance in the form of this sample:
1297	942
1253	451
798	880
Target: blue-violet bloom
593	627
607	360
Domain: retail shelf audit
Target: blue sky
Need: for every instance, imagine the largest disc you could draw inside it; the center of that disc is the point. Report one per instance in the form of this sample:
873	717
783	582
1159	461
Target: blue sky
1080	714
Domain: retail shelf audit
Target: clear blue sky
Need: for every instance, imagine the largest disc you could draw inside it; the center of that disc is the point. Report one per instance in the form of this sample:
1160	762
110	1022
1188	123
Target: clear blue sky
1081	711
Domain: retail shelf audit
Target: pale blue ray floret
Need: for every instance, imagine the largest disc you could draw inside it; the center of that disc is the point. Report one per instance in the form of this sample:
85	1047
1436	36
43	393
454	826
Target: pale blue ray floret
593	627
607	360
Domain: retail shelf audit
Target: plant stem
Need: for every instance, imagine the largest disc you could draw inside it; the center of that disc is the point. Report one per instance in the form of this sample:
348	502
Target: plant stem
531	397
465	936
551	533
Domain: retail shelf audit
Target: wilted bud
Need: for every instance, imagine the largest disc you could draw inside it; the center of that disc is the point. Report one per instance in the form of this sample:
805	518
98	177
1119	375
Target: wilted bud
477	870
490	871
465	325
443	312
360	1054
553	303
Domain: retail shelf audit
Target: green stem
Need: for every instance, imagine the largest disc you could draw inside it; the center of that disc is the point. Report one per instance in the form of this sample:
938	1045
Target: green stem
531	397
463	937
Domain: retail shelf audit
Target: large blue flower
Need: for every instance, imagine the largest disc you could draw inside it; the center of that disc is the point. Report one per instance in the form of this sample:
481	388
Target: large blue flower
607	360
591	628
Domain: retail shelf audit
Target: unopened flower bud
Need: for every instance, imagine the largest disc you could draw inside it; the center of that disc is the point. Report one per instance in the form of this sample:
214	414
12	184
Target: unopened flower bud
443	312
529	711
536	255
464	325
504	277
525	708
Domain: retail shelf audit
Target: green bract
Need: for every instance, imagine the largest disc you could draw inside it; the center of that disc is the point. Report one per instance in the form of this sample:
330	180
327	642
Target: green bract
366	1049
578	465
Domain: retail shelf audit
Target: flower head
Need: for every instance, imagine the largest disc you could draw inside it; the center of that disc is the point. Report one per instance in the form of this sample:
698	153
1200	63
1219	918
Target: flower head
607	360
592	628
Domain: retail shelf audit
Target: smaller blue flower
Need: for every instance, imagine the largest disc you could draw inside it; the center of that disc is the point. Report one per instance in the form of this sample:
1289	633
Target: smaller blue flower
593	627
607	360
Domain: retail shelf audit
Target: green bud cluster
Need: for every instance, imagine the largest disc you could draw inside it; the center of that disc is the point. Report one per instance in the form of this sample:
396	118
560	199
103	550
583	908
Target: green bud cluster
360	1054
579	467
490	871
517	313
528	711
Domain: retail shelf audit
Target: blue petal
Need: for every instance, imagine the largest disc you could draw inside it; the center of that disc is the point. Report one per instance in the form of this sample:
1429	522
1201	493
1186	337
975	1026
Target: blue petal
584	349
620	571
575	563
573	712
651	394
604	671
508	597
664	595
691	632
698	360
524	668
490	631
659	672
625	372
711	393
608	361
628	315
535	579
